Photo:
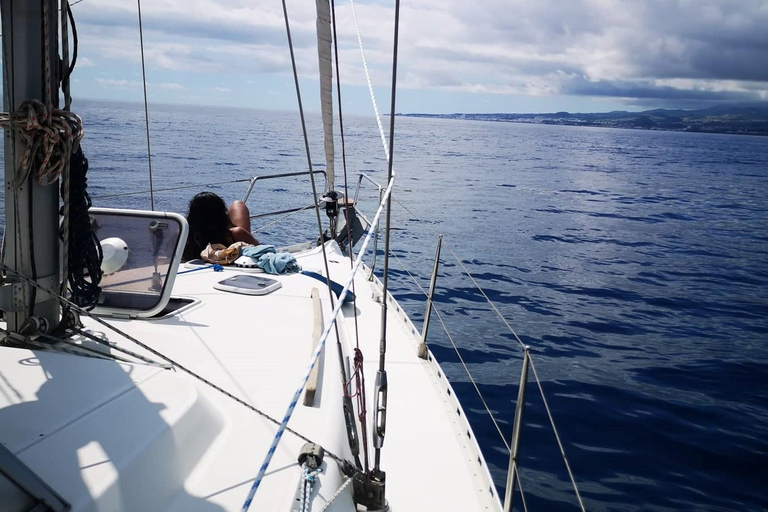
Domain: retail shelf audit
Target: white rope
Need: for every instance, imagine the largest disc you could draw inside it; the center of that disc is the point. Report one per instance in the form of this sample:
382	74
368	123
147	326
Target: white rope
370	85
557	436
39	345
54	344
115	346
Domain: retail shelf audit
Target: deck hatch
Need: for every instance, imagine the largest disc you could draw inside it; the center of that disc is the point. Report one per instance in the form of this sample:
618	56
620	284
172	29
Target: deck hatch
247	284
140	285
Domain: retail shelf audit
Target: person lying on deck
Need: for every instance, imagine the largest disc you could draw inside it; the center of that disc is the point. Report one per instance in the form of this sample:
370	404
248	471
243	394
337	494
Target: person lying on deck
210	222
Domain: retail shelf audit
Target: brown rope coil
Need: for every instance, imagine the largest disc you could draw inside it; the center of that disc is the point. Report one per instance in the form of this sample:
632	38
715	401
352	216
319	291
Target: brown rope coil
48	137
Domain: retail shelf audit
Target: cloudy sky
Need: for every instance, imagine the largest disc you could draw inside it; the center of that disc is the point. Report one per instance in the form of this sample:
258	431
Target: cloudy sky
455	55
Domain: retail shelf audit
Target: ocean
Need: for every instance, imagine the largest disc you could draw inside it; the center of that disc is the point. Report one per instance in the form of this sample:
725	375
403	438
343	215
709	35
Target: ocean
633	263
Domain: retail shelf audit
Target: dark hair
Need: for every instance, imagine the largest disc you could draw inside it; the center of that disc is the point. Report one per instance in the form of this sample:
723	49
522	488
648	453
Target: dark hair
208	224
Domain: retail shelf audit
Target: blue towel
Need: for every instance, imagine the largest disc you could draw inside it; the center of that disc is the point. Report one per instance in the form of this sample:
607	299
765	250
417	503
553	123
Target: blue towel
256	251
271	261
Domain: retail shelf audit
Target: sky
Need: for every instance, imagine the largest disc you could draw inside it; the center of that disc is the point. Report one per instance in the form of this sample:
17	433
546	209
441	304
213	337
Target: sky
454	55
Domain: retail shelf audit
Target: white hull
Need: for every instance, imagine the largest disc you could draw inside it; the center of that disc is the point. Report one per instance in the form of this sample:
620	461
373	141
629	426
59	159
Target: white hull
116	436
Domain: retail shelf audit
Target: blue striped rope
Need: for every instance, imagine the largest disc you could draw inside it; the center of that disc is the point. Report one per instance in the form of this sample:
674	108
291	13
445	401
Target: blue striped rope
309	479
316	354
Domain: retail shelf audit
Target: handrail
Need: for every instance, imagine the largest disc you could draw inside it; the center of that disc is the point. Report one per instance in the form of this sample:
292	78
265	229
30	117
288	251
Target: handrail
254	179
359	181
251	181
375	228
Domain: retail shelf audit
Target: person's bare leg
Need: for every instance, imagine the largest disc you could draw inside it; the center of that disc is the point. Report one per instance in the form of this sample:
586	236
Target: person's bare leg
240	218
239	215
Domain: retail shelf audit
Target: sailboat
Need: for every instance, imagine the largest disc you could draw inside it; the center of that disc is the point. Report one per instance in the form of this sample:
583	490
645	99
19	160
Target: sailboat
130	380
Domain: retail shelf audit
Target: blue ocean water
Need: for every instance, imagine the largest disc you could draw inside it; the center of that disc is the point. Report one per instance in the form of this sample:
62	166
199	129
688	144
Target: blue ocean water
634	263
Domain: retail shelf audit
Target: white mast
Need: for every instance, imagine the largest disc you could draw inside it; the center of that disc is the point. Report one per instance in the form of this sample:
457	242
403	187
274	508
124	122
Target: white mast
31	209
324	41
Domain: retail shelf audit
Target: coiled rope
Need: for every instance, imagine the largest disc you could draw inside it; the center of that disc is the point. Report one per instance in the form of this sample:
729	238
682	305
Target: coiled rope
48	138
85	253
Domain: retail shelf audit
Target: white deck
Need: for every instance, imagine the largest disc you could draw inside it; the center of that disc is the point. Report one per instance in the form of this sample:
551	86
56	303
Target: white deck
109	436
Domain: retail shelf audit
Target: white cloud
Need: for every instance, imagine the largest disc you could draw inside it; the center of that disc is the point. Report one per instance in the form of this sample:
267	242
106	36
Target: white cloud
112	83
170	86
222	89
541	48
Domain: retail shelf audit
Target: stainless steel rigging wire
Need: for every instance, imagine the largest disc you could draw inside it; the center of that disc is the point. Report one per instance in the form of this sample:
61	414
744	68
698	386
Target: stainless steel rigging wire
381	376
146	109
557	437
359	375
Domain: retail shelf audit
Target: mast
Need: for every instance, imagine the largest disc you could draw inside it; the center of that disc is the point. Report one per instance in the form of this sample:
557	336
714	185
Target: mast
31	209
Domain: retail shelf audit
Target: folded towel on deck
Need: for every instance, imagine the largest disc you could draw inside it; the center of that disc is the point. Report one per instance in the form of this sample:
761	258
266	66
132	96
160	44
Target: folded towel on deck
271	261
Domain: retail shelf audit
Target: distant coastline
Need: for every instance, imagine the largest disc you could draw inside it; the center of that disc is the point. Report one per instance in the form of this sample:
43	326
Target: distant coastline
742	120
